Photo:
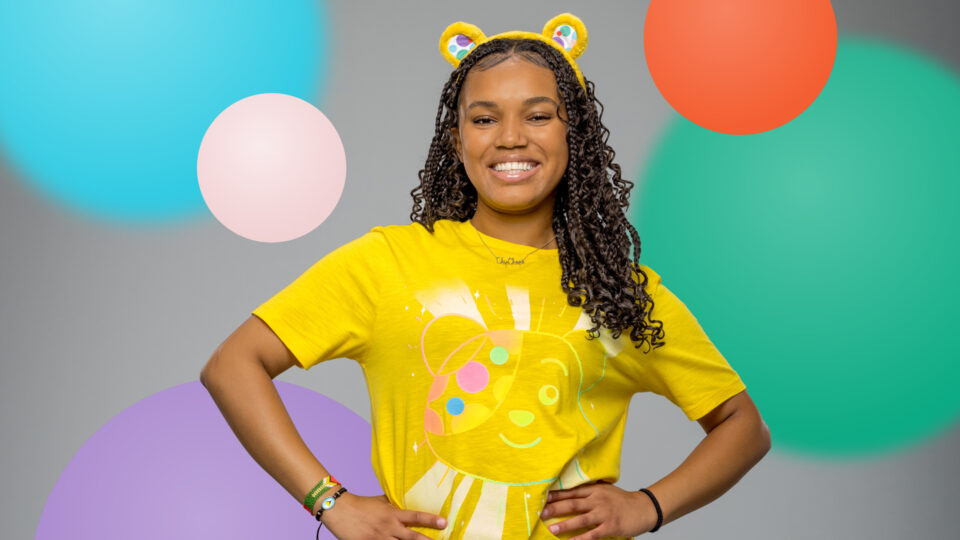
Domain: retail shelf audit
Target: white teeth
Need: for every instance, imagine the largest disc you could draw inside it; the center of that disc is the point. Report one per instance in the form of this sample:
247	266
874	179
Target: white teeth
514	166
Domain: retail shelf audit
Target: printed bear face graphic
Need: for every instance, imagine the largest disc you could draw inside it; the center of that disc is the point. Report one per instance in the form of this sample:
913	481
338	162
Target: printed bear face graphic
508	393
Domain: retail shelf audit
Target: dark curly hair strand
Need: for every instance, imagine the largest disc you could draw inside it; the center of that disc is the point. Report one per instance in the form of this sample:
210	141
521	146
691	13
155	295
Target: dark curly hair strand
593	235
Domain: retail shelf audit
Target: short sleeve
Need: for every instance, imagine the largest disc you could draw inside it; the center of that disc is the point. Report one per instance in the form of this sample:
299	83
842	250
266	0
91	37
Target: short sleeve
328	312
688	370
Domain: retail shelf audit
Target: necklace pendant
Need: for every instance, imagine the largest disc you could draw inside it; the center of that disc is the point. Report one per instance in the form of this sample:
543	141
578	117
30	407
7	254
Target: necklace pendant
509	261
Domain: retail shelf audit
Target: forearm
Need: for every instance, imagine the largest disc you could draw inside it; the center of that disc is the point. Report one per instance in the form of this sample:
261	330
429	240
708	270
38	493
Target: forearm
248	400
720	460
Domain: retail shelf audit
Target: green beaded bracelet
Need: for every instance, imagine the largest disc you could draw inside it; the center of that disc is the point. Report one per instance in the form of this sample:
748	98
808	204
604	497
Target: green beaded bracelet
318	490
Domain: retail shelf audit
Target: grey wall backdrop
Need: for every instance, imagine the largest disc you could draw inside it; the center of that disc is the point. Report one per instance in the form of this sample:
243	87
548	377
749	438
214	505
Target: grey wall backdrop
95	317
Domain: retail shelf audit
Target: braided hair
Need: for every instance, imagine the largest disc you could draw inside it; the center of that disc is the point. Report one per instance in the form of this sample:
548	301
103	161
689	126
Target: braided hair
593	234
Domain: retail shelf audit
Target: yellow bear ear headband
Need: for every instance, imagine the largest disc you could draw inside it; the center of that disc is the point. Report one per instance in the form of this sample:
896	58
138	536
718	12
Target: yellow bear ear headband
565	32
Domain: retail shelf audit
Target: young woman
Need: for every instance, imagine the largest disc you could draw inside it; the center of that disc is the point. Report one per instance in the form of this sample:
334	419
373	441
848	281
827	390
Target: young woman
502	334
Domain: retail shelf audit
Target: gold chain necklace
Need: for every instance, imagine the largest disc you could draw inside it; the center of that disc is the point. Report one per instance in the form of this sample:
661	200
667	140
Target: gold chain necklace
509	261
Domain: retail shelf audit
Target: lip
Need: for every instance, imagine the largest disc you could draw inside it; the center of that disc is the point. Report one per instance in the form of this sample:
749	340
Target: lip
514	176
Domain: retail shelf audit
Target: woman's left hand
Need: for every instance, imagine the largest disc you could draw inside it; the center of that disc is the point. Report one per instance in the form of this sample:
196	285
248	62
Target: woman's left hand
609	509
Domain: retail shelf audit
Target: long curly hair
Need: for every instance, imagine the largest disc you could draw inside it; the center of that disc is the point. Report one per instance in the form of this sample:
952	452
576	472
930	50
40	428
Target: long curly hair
593	234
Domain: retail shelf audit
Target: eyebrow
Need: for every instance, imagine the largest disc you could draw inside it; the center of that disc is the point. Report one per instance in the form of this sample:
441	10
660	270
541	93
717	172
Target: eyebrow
526	102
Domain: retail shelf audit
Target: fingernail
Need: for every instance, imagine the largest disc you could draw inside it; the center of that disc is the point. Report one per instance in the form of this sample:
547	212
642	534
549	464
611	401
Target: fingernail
553	529
549	495
545	513
441	522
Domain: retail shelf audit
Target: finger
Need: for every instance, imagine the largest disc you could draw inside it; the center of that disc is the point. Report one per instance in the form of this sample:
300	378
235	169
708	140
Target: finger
413	517
592	534
409	534
574	523
566	507
579	491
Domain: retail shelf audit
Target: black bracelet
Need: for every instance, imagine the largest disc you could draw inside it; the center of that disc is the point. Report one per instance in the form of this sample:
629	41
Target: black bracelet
334	497
655	505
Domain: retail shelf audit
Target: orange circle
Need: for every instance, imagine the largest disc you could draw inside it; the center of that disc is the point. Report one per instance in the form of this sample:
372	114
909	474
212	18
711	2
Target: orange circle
740	66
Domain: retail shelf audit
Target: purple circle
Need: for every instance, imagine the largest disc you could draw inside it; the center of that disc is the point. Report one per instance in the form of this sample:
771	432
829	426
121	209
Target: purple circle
560	41
463	40
170	467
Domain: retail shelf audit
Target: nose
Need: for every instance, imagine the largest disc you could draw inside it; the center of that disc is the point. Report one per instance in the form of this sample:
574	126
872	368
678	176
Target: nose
511	133
521	417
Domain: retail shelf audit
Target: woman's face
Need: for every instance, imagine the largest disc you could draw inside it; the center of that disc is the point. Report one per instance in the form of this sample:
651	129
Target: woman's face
508	116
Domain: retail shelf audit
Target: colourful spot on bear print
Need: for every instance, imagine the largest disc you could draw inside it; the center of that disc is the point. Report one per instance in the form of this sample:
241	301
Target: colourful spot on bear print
511	422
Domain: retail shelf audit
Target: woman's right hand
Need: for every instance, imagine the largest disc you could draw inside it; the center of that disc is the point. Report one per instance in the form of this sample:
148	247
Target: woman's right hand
354	517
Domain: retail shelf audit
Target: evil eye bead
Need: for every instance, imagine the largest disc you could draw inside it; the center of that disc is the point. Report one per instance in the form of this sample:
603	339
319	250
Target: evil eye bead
328	503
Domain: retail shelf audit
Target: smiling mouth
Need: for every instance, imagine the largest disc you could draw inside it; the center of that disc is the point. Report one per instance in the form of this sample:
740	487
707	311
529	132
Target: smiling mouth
514	176
508	442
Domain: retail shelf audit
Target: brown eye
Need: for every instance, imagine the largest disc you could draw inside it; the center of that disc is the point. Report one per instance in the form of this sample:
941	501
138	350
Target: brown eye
540	117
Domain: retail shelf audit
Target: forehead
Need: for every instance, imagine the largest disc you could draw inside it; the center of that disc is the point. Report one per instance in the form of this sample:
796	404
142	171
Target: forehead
509	82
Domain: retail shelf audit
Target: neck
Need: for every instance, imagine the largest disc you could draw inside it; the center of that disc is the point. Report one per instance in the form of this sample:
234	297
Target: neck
532	230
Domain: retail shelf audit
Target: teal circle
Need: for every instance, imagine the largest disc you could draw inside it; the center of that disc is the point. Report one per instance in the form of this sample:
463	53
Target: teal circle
499	355
565	30
453	48
104	104
820	257
462	53
455	406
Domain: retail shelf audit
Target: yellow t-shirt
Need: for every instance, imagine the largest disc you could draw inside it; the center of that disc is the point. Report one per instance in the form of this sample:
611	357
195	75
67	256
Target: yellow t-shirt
485	392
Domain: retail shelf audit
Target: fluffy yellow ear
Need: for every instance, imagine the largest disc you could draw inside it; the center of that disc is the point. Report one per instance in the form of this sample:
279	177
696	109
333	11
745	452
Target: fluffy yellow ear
458	39
568	30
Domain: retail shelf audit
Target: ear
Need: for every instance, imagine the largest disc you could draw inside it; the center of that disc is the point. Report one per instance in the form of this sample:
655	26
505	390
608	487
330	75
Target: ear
569	31
458	39
441	337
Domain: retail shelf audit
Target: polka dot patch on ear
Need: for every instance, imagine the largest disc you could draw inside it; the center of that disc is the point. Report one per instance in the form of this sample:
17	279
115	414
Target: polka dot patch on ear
566	36
459	45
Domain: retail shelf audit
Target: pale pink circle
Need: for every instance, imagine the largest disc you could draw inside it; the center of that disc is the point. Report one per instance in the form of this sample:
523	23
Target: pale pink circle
271	167
473	377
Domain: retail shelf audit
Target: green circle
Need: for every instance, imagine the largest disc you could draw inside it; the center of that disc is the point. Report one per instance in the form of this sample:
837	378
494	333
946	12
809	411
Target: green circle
548	399
499	355
820	257
565	30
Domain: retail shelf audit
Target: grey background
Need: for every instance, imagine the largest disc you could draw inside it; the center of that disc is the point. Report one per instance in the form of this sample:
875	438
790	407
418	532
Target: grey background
95	317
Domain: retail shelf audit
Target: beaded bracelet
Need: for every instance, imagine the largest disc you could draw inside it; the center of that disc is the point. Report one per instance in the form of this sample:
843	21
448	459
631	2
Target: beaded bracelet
326	505
328	502
318	490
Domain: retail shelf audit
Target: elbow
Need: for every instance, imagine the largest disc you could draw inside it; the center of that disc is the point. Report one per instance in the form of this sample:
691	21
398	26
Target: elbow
205	376
766	443
207	372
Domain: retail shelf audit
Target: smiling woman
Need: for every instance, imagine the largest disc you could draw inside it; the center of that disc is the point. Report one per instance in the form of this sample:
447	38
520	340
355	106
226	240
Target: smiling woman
501	332
512	141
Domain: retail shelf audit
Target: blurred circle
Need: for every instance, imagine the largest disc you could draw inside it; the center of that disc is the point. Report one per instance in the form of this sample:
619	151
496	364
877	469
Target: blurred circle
271	167
170	467
821	257
740	66
103	103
